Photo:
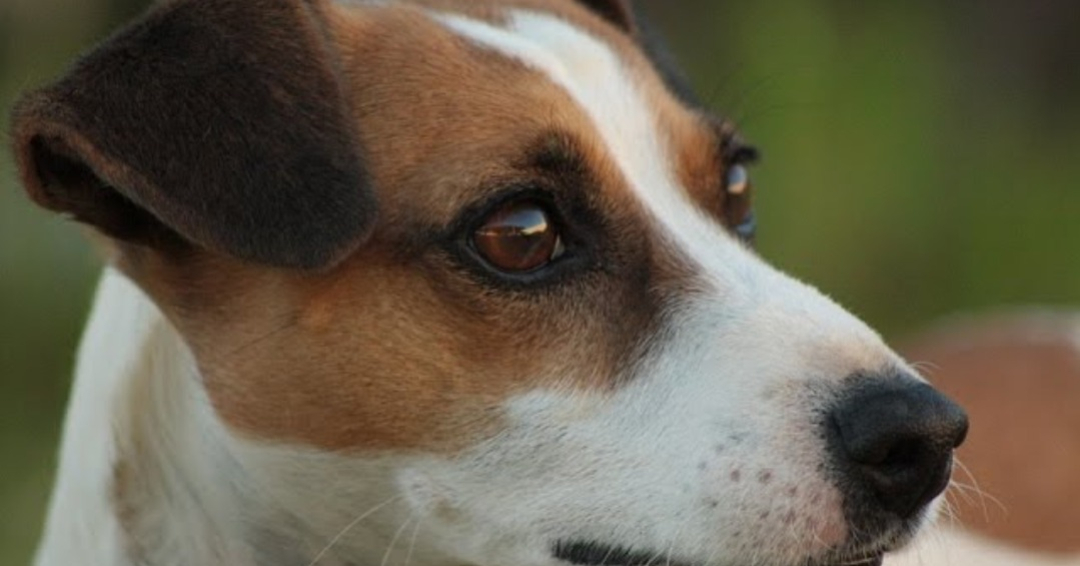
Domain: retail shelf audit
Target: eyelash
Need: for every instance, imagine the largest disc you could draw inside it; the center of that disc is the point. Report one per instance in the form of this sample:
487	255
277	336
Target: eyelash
735	152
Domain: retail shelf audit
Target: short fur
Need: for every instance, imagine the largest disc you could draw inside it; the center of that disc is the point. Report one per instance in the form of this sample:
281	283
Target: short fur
299	356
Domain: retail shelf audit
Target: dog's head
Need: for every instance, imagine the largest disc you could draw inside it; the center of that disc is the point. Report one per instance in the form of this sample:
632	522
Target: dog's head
497	250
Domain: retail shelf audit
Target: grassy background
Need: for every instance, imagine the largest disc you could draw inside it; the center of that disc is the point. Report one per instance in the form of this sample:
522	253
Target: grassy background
921	158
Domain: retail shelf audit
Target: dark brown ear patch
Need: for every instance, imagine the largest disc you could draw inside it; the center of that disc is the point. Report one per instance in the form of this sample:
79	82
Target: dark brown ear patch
66	184
221	121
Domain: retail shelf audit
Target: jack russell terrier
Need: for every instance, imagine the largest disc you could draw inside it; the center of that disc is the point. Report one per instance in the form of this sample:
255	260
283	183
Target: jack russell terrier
448	282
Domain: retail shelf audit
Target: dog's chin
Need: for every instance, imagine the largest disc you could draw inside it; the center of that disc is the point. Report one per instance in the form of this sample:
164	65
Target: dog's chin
582	553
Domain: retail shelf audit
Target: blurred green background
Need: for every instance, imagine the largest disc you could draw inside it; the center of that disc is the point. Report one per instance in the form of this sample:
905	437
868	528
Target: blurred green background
921	158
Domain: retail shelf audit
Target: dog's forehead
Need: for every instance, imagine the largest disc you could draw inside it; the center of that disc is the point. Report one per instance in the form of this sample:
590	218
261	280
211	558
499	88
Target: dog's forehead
480	81
663	151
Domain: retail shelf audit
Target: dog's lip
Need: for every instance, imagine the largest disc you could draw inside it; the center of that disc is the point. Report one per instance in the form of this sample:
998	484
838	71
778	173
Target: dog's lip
875	560
589	553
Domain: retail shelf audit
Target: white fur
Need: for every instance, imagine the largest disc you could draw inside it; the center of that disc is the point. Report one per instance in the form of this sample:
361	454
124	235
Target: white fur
641	467
694	458
136	398
200	492
81	521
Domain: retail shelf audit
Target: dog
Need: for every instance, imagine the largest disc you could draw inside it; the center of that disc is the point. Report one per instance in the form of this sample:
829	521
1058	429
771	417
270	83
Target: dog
448	282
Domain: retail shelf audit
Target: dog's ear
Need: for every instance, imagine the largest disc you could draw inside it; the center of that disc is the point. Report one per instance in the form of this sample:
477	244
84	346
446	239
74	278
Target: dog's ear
212	123
618	12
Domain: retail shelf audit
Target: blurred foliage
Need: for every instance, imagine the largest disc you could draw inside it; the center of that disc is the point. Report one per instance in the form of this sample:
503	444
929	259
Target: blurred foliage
921	158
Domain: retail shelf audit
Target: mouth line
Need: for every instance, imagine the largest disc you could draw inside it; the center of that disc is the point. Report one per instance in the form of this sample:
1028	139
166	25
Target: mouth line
590	553
875	560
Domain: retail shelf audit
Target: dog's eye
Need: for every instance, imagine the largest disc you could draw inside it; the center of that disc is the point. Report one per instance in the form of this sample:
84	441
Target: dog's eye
738	206
519	237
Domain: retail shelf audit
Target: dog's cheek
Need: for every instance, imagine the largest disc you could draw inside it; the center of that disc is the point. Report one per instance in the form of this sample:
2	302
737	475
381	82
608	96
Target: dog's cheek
428	497
454	519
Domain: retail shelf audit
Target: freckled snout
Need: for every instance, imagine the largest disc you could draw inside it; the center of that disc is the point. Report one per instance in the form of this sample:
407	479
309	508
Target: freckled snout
892	442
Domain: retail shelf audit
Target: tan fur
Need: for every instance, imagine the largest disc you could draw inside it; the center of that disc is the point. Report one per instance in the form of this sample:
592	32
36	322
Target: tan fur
397	347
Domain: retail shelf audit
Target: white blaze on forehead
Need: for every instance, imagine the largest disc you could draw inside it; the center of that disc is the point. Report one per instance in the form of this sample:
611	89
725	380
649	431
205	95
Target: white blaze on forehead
611	95
597	79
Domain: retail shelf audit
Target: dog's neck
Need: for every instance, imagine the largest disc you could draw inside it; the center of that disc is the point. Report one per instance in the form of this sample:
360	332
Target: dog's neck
149	475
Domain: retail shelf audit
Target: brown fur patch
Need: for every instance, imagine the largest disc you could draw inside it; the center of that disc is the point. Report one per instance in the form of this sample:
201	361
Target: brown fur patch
406	344
1019	380
410	342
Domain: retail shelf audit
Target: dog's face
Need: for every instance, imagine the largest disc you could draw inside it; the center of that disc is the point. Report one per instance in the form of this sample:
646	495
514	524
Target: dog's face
492	247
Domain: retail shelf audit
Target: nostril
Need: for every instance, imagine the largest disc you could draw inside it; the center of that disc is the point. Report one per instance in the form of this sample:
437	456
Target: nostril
871	446
910	473
904	453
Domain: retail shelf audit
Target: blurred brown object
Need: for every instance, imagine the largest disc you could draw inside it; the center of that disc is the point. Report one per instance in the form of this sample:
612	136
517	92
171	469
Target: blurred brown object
1018	376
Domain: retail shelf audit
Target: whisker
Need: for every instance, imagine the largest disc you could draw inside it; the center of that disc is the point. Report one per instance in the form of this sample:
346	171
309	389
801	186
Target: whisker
949	511
983	497
412	541
926	368
349	527
975	488
393	541
288	322
961	490
655	555
607	554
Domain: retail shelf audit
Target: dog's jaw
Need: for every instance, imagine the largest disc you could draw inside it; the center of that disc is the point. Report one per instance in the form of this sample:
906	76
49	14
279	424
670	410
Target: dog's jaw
150	475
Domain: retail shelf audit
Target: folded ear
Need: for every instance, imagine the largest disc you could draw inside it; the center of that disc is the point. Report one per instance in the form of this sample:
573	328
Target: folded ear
215	123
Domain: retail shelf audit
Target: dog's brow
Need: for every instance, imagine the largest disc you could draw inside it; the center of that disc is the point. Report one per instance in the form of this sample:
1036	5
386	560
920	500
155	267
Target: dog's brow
734	150
733	147
557	153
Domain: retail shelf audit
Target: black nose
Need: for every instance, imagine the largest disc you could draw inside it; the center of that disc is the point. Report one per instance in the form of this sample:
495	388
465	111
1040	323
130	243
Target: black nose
894	439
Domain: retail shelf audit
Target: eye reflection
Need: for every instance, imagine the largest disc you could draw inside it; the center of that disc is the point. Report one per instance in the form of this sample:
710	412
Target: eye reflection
738	180
738	208
518	238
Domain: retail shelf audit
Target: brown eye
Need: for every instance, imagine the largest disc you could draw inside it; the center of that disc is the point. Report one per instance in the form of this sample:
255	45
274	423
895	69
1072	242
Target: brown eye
518	237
